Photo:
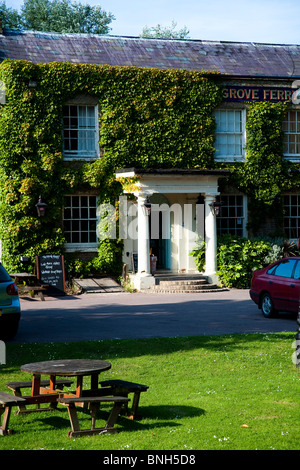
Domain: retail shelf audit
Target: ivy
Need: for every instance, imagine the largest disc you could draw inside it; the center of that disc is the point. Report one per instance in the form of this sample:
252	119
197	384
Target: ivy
265	173
148	118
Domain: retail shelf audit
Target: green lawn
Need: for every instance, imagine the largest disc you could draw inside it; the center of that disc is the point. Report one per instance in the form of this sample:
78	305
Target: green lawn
207	392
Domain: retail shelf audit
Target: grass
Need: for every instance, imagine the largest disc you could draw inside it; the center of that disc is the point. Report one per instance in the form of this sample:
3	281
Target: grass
235	392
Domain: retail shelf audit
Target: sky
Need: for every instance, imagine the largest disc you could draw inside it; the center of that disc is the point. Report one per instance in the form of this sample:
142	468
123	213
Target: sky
264	21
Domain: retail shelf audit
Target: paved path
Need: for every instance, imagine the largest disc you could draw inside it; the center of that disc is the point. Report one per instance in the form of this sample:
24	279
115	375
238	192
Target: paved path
125	315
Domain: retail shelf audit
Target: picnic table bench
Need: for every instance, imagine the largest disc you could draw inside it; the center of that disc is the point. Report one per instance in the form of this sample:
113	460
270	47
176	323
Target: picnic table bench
34	290
93	405
7	401
16	387
123	388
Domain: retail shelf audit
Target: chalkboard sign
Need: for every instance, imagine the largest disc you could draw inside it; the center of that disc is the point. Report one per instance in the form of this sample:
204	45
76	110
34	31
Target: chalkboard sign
134	262
51	271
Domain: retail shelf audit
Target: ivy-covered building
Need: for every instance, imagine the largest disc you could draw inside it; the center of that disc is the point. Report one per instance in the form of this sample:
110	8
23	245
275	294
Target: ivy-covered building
86	120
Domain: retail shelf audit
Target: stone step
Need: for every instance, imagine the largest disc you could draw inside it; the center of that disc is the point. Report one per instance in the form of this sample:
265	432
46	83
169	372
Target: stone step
183	283
191	291
199	282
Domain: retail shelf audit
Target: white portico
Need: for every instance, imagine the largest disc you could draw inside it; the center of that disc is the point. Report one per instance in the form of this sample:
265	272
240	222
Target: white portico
177	219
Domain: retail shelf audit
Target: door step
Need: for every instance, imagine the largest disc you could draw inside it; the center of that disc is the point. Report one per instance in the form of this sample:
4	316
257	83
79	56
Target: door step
184	283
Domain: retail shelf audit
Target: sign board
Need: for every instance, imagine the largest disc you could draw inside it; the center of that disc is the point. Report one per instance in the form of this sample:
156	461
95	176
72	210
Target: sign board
134	261
2	353
251	93
51	271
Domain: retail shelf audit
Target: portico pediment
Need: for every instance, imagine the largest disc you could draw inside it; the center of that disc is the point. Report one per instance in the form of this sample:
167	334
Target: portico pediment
180	181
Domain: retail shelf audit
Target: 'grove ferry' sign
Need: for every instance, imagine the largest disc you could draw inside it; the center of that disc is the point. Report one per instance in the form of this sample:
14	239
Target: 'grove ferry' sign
248	93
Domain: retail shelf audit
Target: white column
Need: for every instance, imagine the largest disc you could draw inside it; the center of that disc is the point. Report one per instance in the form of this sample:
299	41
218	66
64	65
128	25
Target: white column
143	239
143	279
210	239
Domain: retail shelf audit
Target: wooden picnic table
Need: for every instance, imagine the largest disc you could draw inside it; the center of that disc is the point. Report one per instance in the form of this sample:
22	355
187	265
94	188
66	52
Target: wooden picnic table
92	398
25	277
65	368
47	391
30	283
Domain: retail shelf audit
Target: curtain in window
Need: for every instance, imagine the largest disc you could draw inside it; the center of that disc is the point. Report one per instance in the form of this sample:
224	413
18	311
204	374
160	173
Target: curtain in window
86	128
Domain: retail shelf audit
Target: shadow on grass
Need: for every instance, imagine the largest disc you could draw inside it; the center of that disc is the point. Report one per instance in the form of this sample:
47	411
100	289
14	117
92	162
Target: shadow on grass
130	348
160	416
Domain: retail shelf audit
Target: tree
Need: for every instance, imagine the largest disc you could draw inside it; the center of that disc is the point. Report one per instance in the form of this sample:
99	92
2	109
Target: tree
168	32
63	16
10	17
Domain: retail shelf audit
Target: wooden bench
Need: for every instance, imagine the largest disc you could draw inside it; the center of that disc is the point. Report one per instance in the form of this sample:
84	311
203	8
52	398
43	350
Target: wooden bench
16	387
7	401
93	405
34	290
123	388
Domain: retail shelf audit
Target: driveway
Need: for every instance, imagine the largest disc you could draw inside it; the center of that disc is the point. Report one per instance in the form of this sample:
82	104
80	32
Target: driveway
140	315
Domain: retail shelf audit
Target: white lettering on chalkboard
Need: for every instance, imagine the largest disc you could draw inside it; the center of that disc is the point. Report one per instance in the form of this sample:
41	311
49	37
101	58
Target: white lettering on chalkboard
51	271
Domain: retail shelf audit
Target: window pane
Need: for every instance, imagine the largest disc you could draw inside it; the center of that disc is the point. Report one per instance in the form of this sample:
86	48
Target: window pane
84	201
84	213
75	237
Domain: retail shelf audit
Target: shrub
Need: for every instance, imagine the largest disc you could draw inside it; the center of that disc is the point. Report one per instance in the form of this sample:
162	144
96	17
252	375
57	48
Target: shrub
109	259
238	258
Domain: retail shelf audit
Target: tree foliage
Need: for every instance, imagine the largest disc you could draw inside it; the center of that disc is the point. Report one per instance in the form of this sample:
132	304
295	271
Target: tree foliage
168	32
61	16
10	17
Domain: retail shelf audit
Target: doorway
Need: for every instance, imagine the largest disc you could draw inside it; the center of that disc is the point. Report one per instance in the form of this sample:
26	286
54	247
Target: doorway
160	233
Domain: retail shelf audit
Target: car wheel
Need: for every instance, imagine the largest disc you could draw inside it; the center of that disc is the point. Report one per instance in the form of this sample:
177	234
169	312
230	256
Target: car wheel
267	306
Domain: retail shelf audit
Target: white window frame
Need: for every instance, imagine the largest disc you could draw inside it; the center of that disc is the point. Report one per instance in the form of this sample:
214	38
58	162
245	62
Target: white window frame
80	245
79	128
291	213
232	213
239	134
291	134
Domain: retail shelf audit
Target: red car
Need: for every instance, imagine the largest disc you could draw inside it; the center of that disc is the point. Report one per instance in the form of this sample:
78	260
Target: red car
277	287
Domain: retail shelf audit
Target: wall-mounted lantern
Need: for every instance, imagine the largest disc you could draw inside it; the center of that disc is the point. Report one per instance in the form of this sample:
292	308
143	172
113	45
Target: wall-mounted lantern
147	206
216	207
41	207
32	83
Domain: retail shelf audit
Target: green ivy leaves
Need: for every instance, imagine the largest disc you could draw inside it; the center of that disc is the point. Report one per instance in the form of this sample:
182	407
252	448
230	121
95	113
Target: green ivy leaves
148	118
264	174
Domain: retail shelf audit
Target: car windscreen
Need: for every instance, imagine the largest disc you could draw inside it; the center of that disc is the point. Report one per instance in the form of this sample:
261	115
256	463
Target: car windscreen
4	277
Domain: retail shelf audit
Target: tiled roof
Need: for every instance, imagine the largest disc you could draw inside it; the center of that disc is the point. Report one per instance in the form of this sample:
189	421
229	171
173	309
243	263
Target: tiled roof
232	58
